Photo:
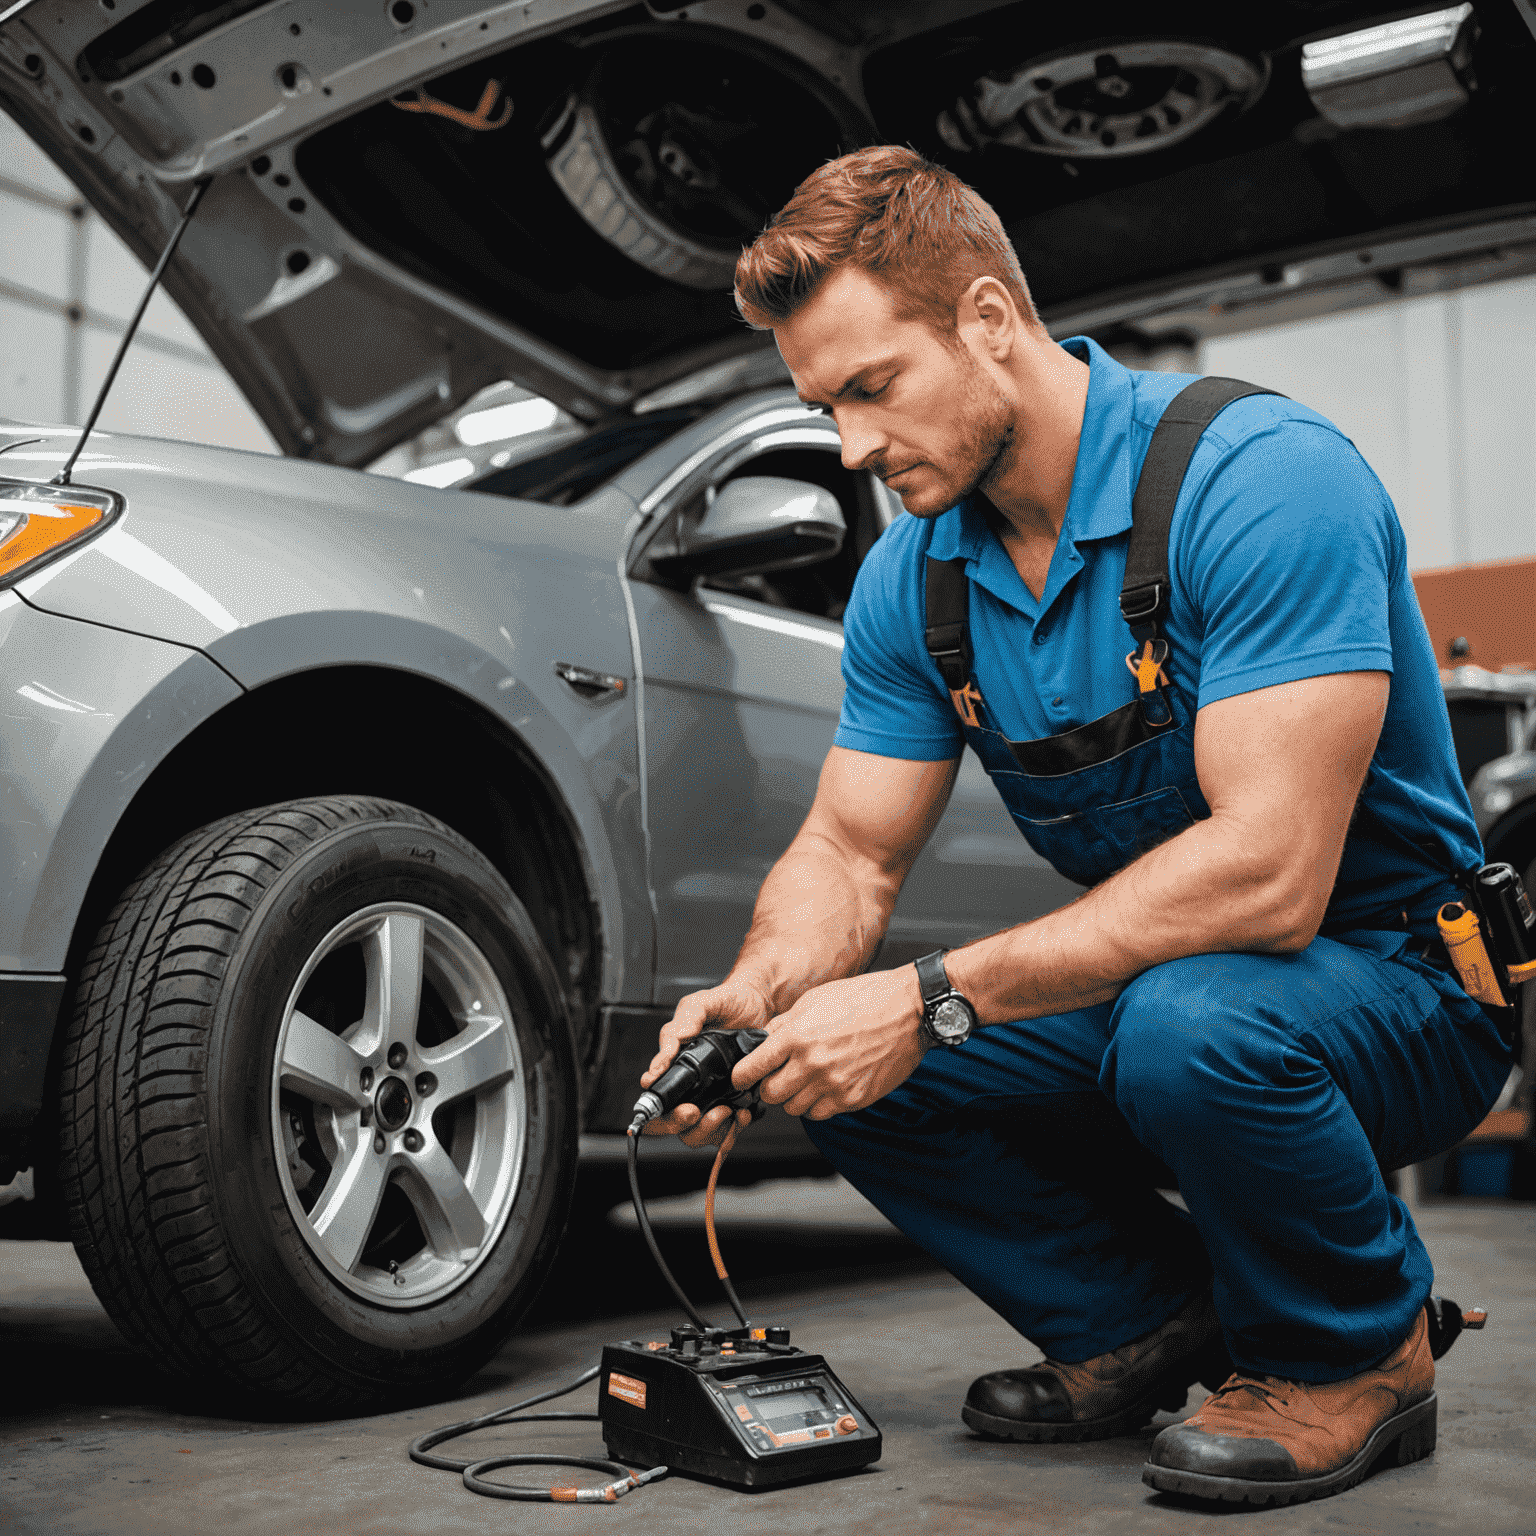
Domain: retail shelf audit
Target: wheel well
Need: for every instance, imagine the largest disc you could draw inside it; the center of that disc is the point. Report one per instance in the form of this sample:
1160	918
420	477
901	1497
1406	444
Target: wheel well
364	730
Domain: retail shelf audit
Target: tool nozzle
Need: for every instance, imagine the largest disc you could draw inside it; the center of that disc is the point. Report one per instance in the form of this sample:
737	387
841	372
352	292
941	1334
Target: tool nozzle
647	1107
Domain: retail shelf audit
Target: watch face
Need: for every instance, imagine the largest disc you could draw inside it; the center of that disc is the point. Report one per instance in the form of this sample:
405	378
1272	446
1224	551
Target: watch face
951	1019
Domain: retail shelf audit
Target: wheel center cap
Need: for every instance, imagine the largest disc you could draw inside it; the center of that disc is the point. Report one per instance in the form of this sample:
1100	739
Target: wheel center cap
392	1104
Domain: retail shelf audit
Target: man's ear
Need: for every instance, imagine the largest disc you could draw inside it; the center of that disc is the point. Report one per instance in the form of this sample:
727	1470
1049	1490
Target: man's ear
987	309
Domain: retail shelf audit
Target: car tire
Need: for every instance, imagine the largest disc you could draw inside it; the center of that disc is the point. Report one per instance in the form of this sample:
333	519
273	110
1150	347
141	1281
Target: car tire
285	1174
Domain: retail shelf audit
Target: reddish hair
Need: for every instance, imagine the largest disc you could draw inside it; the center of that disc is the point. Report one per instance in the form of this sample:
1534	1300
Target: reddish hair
906	221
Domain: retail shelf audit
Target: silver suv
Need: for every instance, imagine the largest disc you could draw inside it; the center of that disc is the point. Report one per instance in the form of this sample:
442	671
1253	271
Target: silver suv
359	832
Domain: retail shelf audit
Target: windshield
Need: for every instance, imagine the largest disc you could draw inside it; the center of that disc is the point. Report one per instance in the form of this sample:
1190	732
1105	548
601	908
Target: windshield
570	471
508	442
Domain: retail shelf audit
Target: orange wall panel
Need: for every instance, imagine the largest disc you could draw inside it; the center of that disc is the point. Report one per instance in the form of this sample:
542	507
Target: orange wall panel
1492	604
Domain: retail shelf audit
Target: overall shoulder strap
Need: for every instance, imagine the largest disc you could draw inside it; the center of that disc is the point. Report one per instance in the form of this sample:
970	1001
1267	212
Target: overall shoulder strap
1144	595
947	632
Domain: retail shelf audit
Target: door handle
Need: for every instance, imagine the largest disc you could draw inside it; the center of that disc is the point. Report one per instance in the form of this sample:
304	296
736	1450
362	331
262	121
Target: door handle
595	687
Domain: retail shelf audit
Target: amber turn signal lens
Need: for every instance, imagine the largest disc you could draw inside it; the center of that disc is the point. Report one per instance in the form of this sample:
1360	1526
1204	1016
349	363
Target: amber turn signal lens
31	529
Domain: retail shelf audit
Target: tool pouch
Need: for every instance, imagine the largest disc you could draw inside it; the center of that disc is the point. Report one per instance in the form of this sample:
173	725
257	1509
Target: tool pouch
1491	939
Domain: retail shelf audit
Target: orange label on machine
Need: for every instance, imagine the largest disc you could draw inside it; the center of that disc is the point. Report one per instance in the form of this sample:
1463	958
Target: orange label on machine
627	1389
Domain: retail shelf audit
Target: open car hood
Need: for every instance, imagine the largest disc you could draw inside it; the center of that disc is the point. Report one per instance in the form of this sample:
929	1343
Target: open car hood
411	199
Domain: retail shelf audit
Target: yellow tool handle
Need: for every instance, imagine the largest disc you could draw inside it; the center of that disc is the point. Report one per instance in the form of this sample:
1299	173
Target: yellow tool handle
1463	936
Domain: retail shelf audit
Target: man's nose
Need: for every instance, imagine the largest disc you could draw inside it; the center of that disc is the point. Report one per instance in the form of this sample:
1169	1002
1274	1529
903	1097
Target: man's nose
862	440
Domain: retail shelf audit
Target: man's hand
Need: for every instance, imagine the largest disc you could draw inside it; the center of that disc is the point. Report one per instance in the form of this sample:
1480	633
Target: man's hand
821	912
843	1046
732	1005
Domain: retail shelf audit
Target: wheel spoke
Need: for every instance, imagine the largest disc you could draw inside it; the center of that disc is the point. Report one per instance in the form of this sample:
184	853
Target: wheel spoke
453	1223
392	954
344	1214
319	1065
479	1057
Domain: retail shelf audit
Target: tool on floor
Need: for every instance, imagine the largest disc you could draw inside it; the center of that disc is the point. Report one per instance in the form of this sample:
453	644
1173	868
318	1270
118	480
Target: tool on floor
741	1406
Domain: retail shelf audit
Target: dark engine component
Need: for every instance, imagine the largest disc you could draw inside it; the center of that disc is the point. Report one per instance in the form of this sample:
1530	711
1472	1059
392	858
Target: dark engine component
1105	100
677	154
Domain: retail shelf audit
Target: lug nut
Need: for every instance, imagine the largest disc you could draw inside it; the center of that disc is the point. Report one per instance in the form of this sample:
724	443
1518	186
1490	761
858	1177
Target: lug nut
425	1084
397	1055
378	1141
413	1141
366	1080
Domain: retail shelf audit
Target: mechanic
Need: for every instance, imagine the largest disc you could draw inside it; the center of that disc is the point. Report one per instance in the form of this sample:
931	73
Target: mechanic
1267	815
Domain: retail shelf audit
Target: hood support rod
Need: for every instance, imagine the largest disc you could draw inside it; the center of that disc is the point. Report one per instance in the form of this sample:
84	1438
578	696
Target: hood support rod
62	478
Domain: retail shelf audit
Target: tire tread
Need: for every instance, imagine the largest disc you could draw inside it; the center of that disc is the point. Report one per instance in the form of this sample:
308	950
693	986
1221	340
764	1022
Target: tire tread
135	1165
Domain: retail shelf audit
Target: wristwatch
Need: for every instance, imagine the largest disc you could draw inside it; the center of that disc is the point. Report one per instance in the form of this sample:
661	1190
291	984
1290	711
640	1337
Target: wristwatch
948	1018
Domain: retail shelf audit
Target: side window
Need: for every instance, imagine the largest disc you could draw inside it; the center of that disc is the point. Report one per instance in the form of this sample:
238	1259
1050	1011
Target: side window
822	589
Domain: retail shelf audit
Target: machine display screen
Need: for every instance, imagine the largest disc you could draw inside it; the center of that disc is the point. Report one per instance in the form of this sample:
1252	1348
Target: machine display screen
791	1404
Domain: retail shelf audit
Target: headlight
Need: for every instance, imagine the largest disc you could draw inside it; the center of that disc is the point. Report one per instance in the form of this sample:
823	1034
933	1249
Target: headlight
38	522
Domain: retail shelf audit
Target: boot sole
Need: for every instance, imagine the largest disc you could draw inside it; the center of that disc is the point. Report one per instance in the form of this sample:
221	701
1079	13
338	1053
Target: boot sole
1169	1393
1406	1437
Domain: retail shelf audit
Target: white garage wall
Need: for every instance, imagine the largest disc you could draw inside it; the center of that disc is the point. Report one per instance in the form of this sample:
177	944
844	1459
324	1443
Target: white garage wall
67	288
1438	393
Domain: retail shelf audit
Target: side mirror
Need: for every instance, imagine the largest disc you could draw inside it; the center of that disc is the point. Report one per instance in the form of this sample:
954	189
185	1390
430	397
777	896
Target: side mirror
756	524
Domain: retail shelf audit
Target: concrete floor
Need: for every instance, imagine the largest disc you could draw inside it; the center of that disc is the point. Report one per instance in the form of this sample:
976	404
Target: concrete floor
91	1441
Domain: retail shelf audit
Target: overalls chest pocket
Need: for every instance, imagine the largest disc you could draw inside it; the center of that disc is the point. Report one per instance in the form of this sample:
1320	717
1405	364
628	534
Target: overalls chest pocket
1096	819
1092	799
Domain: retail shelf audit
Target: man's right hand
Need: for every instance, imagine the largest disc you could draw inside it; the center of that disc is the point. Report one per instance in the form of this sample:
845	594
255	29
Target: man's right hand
732	1005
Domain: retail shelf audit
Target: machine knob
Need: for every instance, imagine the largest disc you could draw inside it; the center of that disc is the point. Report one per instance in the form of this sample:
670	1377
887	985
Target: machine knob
846	1425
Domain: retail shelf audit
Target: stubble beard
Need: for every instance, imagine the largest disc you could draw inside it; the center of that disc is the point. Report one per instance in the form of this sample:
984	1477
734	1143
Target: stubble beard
983	453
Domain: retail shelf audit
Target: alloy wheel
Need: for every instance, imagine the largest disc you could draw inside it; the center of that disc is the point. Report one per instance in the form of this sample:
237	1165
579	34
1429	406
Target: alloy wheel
399	1111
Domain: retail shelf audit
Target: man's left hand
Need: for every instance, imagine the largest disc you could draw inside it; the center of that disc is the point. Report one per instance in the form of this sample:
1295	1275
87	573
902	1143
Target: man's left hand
843	1046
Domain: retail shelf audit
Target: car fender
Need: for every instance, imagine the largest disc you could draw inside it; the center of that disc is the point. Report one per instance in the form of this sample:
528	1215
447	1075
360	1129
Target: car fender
87	715
272	566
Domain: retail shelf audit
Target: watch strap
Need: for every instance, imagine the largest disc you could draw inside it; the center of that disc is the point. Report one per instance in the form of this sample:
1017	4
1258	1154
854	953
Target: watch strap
932	978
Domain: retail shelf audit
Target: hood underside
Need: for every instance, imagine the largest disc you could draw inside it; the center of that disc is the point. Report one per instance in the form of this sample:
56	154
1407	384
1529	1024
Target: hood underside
412	199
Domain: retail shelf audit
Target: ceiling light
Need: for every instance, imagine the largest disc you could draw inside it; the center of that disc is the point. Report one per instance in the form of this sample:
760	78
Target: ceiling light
1393	75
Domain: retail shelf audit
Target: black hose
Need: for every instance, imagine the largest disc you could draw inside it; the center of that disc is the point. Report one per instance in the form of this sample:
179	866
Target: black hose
624	1479
650	1237
474	1470
730	1296
422	1445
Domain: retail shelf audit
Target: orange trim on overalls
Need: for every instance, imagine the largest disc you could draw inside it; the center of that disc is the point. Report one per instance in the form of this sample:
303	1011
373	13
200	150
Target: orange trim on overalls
965	701
1148	667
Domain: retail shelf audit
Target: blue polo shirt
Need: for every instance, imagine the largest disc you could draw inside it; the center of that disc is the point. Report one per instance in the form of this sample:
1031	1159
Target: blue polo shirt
1287	562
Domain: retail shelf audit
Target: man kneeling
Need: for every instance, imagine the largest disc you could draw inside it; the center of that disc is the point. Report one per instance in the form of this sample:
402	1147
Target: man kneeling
1264	806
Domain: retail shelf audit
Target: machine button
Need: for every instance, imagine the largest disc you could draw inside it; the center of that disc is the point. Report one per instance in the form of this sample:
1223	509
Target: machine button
846	1425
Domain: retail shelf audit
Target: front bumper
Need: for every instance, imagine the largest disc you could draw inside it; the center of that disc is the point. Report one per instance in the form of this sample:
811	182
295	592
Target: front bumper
87	714
29	1012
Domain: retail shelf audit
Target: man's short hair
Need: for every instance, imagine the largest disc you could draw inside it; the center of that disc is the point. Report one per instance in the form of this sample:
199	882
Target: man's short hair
912	225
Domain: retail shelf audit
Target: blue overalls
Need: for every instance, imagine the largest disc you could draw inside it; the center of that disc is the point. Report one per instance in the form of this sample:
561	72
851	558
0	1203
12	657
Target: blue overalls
1274	1088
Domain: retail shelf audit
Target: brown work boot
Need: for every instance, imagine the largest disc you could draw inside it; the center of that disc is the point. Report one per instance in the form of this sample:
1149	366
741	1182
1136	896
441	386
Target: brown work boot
1109	1395
1262	1440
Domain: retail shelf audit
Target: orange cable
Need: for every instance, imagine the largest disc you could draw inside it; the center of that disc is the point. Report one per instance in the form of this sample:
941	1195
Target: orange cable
480	119
709	1200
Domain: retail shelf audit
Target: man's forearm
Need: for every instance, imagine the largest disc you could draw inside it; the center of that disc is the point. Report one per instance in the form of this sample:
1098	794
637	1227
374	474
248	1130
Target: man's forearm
819	916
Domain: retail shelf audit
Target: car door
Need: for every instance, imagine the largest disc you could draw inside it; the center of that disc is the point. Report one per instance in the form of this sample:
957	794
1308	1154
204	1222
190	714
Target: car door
741	691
